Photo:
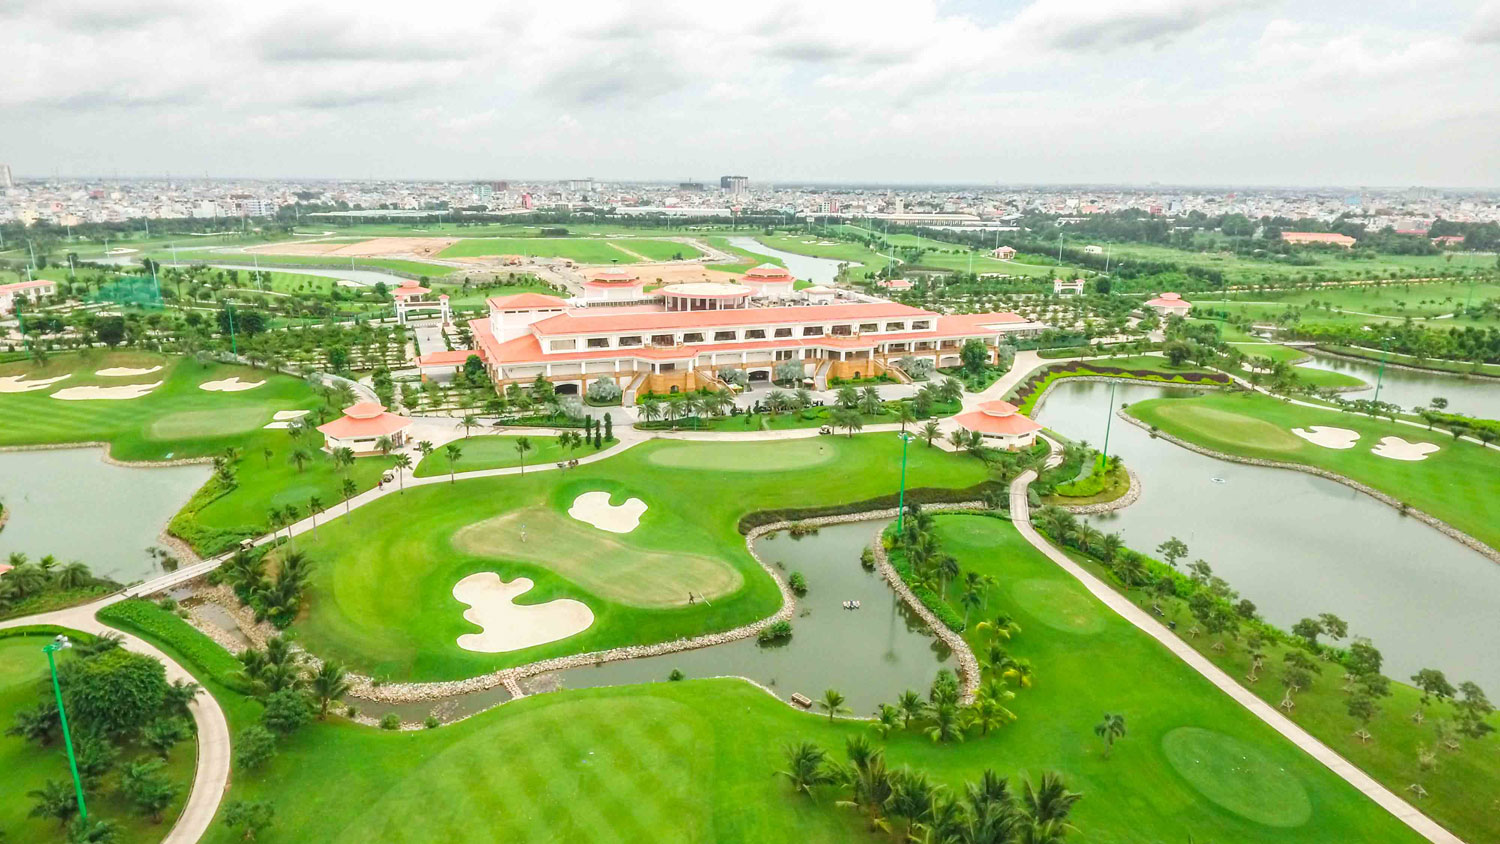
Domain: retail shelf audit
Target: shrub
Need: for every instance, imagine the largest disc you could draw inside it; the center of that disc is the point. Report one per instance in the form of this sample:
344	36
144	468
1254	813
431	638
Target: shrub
921	495
254	747
604	390
775	633
867	558
210	661
392	721
798	583
432	723
286	712
676	675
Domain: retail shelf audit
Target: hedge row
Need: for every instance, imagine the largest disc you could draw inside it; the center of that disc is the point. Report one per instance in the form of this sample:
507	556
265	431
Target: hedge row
208	659
920	495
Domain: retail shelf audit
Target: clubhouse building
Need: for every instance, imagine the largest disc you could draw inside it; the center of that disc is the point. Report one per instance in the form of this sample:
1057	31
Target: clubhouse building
680	337
28	290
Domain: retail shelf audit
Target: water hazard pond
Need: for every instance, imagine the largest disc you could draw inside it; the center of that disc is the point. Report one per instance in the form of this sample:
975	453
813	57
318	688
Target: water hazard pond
1299	545
71	504
870	655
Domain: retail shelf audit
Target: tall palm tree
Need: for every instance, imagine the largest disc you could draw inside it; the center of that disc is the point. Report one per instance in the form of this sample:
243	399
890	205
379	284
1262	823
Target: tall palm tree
930	432
523	445
1110	729
300	457
869	401
832	702
945	722
343	458
911	705
403	465
469	422
848	420
1045	808
868	781
348	489
452	451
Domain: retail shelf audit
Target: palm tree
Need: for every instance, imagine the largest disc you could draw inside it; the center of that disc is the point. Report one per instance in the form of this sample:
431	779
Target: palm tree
651	408
988	712
73	575
314	507
54	800
468	422
328	684
869	401
970	599
343	458
847	398
403	465
1110	729
911	705
832	703
426	448
805	768
848	420
867	778
348	489
904	415
300	457
523	445
887	719
945	722
1019	671
452	451
1044	809
930	432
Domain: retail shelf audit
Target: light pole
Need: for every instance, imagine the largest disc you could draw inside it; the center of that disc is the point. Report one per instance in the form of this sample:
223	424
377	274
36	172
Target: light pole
901	500
1385	351
1108	422
53	647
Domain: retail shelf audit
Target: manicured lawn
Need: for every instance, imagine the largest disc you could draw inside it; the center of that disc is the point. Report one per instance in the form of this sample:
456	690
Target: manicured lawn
1460	483
659	250
178	420
1271	351
580	249
381	593
415	267
497	452
861	258
696	760
23	680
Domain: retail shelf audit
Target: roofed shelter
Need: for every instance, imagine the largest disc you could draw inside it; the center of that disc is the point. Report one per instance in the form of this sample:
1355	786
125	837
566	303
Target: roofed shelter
362	426
1002	422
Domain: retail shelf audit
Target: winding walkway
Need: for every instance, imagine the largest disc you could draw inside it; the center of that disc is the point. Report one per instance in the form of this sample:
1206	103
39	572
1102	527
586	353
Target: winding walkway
211	775
1384	797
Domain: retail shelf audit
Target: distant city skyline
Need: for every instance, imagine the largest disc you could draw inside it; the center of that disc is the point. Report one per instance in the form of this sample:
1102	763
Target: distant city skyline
1192	93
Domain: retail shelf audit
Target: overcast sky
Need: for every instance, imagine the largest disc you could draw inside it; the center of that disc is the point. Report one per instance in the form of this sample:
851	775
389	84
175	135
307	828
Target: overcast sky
1316	92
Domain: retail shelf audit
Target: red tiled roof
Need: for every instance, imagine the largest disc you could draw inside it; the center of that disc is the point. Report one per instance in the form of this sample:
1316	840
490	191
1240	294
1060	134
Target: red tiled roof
576	322
986	423
364	410
451	358
1169	300
379	426
526	302
26	285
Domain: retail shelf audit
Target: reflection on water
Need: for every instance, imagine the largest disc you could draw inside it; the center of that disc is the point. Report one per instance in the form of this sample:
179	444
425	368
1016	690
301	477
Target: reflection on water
870	655
1298	545
72	505
1409	388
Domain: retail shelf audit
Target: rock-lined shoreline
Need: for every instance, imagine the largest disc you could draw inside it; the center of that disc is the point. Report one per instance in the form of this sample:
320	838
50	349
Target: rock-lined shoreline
1129	498
366	688
1406	509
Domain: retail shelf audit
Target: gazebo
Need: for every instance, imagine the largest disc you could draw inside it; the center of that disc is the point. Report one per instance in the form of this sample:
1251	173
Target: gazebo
362	426
1003	422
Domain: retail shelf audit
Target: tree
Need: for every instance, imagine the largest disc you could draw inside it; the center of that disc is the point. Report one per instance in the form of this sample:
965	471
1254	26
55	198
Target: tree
930	432
117	692
329	684
348	489
314	507
300	457
384	445
343	458
254	747
286	711
832	702
1172	550
805	766
55	799
1433	685
1361	707
911	706
946	724
847	420
847	398
974	356
869	401
163	734
468	423
453	451
1110	729
148	789
93	831
1045	808
1474	709
251	816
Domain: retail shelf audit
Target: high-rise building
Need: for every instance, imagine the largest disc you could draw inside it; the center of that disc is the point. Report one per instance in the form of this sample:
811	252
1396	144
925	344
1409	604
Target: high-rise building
734	184
6	181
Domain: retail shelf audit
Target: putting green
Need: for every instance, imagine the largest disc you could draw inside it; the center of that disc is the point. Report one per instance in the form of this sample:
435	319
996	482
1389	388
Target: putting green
220	422
746	457
1059	605
1237	777
609	565
1224	426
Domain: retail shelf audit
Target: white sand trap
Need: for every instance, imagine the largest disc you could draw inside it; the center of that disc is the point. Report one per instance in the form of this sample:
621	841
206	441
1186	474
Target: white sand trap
509	626
229	385
1398	449
277	426
127	391
283	415
1327	437
594	508
126	372
16	384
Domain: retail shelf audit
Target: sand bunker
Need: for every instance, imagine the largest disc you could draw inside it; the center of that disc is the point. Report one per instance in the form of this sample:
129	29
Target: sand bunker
1327	437
282	415
125	371
595	509
509	626
127	391
229	385
1398	449
15	384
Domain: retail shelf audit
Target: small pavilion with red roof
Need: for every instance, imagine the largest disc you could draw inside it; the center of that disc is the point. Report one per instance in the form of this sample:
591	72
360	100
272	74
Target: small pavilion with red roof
362	426
769	281
1170	304
1003	422
412	296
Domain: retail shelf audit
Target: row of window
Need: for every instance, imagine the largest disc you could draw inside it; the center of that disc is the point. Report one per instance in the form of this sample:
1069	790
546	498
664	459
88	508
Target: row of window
730	336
